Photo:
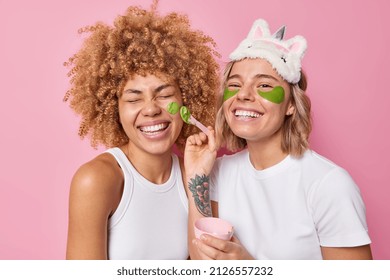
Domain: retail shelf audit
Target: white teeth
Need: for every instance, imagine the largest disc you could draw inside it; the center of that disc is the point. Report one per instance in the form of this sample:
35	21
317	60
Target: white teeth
246	114
153	128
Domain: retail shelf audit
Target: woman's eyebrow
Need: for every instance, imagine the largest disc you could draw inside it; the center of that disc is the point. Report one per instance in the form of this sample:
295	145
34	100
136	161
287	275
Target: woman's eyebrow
259	76
156	90
235	76
130	90
160	88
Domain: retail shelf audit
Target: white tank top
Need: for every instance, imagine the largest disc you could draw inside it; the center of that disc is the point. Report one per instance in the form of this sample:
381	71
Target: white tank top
151	220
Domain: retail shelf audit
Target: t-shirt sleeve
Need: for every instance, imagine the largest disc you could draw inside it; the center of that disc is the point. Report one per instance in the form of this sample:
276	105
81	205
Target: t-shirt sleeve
214	181
339	212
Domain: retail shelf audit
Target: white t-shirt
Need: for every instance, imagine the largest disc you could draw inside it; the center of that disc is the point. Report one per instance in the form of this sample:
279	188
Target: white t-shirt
151	220
289	210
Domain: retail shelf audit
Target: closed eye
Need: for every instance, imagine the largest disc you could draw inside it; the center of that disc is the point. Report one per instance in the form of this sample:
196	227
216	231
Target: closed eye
133	100
234	86
164	96
264	86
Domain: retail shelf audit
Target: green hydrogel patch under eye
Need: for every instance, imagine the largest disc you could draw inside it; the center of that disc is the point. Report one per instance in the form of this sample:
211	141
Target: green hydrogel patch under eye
185	114
276	95
173	108
229	93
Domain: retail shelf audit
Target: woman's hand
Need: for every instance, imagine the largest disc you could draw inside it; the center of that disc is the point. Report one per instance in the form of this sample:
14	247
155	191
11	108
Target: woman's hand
199	157
200	154
212	248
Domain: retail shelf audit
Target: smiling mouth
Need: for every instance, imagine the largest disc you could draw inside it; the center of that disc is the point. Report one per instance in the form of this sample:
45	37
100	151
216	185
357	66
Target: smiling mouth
247	114
154	129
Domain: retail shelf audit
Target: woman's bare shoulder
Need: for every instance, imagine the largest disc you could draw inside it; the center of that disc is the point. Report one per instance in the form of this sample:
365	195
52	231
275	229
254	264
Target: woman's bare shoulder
99	181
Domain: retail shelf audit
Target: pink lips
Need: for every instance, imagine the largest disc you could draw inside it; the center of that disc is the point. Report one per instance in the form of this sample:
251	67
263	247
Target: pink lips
244	114
155	129
246	109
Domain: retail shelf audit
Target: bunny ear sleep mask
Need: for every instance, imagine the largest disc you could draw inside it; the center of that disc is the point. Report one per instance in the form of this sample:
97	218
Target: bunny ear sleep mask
284	55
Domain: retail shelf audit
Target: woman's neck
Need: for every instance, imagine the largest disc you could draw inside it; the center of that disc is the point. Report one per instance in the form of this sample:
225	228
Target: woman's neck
155	168
266	153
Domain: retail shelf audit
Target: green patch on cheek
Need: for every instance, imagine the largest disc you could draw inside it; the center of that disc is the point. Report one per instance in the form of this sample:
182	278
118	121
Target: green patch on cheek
185	114
229	93
173	108
276	95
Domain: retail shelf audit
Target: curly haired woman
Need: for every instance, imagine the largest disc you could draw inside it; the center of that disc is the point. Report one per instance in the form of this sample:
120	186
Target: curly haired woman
129	202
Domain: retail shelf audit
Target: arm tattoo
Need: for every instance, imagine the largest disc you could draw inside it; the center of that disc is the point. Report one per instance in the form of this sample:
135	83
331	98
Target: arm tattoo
199	187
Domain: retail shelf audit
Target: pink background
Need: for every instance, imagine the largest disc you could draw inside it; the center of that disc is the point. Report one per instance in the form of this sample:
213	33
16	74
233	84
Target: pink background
347	64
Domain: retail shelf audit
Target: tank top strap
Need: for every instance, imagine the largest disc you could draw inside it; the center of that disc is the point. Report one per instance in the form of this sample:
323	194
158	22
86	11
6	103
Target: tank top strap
119	156
128	187
179	181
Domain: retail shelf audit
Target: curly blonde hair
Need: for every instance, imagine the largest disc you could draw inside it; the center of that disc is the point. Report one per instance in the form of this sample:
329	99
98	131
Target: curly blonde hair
295	129
140	42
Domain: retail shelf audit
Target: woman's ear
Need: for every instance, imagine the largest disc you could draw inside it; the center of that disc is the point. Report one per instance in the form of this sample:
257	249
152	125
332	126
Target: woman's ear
290	110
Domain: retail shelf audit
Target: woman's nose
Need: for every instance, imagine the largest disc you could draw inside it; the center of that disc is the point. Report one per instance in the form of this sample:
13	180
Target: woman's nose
151	109
245	94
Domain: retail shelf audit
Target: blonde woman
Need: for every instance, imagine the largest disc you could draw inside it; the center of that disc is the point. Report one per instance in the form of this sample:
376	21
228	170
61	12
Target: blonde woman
284	200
